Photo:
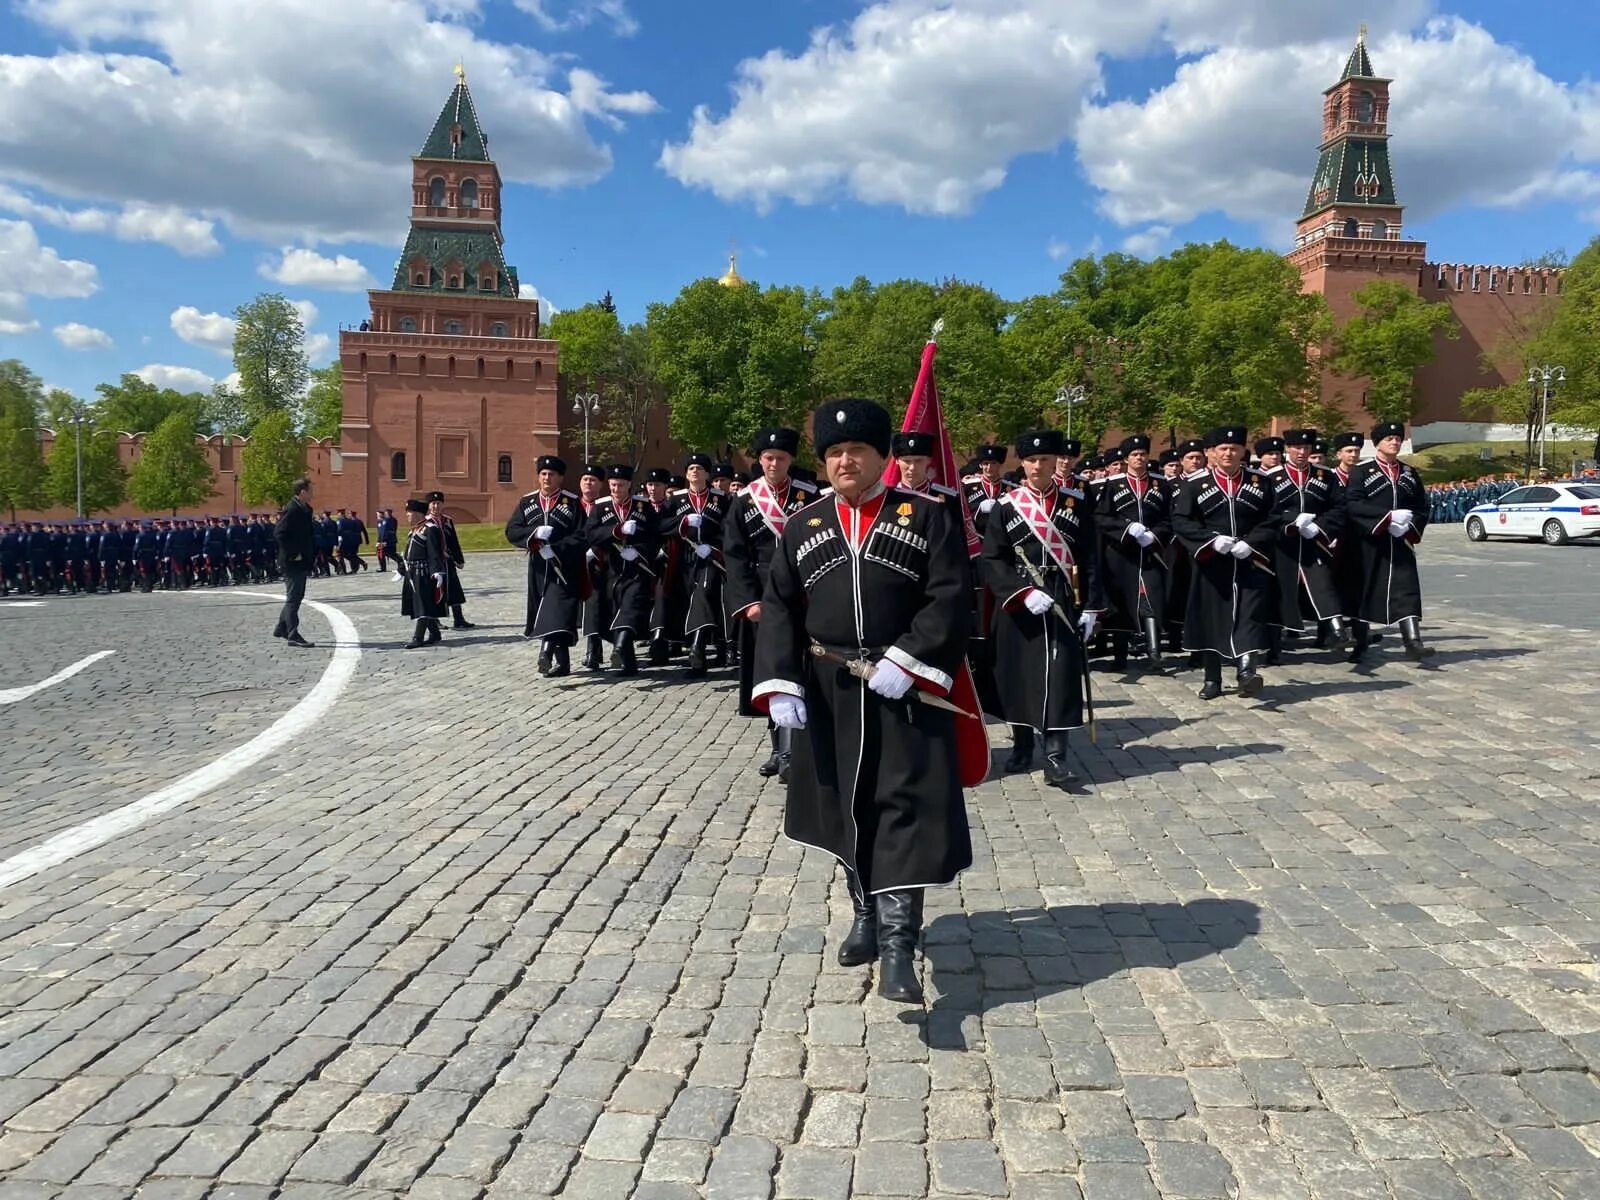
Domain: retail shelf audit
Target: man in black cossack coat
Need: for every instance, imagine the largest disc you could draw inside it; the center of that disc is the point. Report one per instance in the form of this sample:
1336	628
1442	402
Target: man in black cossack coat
1133	516
875	578
1223	518
625	535
1386	509
455	595
694	520
1308	509
549	525
424	595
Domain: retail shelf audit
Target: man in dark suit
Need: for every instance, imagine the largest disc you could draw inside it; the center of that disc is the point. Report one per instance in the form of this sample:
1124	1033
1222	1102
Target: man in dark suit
297	553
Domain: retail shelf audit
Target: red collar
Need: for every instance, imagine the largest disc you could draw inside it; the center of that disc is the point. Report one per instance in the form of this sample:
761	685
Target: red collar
857	519
1230	484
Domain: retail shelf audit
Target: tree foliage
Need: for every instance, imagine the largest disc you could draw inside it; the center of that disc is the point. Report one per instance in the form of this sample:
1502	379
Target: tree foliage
324	406
171	472
269	354
1393	336
105	482
22	470
273	459
132	405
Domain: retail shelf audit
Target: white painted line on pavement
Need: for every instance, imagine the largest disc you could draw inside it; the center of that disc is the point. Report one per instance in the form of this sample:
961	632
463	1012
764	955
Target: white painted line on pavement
54	851
12	695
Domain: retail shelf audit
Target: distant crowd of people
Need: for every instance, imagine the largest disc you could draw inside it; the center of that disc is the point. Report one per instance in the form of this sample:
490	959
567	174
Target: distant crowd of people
1453	501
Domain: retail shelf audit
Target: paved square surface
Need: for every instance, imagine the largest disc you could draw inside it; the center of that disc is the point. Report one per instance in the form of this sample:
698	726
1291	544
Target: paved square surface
473	932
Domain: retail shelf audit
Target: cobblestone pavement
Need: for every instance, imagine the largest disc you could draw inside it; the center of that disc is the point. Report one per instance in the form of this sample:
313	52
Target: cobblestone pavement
484	934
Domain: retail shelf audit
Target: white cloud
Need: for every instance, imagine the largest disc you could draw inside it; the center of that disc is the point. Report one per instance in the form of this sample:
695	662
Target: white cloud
1147	243
211	331
319	349
183	379
300	267
189	235
1057	249
1463	115
76	336
547	310
307	312
14	318
33	269
581	13
262	117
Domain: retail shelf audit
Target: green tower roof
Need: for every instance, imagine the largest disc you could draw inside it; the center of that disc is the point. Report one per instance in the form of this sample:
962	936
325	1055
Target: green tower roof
457	134
1352	171
468	247
1358	65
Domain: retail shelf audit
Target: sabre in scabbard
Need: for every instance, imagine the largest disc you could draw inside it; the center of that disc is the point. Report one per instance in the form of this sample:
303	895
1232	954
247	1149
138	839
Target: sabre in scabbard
1036	577
864	670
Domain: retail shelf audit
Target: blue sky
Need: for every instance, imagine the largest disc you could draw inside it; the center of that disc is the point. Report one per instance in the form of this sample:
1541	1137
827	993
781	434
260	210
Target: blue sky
160	158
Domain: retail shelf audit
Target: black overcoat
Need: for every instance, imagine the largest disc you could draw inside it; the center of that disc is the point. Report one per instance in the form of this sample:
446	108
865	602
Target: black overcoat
421	597
1306	585
748	543
1135	576
554	584
1391	585
873	782
630	582
1230	599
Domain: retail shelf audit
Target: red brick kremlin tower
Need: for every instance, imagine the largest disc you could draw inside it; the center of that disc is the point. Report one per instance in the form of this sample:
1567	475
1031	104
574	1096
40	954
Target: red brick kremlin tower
448	386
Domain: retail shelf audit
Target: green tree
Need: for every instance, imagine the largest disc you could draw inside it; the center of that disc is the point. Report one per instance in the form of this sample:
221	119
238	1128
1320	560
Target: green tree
171	472
105	483
22	469
273	459
628	399
1391	338
591	341
324	407
1574	343
131	405
269	354
224	411
721	356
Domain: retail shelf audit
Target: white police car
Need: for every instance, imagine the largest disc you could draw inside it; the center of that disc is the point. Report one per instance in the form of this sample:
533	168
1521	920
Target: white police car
1553	512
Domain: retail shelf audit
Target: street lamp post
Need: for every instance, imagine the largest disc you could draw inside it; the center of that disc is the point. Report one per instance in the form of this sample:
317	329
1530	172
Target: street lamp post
78	417
1547	379
1070	397
588	403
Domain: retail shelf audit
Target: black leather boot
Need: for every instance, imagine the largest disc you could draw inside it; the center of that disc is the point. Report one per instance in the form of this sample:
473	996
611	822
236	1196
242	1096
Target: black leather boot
774	760
1249	682
1119	650
1152	644
1021	756
625	655
1274	654
1411	635
785	741
660	652
418	636
1056	771
1212	687
562	662
1362	636
899	925
434	635
1338	634
860	945
544	659
697	655
459	618
592	660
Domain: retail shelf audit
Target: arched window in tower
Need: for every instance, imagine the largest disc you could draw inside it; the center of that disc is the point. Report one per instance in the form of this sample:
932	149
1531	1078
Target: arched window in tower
436	192
454	327
1380	231
469	193
1351	228
503	471
397	465
408	324
498	329
1366	105
1336	113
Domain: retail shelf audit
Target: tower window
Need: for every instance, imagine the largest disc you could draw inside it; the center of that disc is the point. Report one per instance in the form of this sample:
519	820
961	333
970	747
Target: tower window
397	465
486	282
454	281
408	324
1380	230
454	327
436	192
469	193
504	468
1351	229
1365	106
1337	112
498	329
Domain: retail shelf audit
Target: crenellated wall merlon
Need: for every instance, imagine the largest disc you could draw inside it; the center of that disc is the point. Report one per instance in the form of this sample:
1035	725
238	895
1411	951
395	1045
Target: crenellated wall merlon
1482	277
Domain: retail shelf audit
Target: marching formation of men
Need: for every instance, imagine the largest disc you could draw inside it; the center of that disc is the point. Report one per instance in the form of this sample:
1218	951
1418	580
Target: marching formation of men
70	557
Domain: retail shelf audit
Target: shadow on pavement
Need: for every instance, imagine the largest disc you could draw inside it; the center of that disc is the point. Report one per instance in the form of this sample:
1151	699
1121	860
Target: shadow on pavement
982	961
1277	696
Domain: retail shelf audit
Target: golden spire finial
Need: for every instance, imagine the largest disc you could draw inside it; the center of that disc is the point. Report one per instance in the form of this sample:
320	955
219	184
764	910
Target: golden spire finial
732	278
461	69
1361	38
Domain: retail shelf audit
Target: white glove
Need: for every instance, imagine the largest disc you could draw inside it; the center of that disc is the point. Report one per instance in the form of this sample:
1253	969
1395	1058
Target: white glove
1036	602
630	527
1136	531
1398	531
1403	515
1240	550
694	520
1088	622
1223	544
590	556
1310	530
1147	538
544	533
629	554
787	712
546	552
703	550
889	681
986	505
439	579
